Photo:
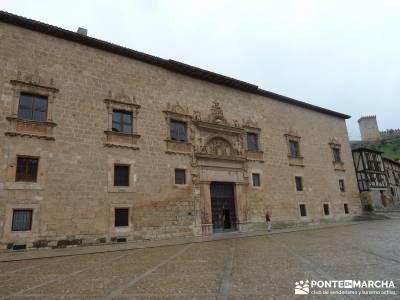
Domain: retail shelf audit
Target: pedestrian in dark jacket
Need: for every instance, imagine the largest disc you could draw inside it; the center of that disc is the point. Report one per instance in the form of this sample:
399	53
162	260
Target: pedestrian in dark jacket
268	220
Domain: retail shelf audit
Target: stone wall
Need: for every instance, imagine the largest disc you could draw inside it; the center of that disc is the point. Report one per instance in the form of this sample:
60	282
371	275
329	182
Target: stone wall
369	128
74	197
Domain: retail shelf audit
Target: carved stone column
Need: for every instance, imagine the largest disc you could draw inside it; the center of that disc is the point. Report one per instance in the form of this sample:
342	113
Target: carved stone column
205	206
241	206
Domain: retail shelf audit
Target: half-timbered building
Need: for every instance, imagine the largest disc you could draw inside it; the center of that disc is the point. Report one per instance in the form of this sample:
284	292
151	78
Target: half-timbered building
378	178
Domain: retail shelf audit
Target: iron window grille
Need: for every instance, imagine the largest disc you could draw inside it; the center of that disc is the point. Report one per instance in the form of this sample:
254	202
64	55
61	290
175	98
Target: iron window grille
121	217
326	209
346	208
121	175
22	220
299	183
256	179
303	210
27	168
180	176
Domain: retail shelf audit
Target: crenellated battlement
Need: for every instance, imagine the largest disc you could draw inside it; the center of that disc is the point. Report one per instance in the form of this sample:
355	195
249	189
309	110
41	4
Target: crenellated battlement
366	117
390	134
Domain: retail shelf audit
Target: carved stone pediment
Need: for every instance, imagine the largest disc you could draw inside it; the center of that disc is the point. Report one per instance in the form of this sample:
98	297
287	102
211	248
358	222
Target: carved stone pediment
35	79
177	108
334	141
292	132
216	138
122	98
250	123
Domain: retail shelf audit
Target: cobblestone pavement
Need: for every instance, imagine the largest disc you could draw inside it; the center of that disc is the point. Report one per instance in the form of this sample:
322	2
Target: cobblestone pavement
262	267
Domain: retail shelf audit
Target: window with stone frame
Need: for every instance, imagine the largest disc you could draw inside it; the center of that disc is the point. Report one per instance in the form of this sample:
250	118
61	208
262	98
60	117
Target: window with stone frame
299	183
22	220
294	148
121	217
337	156
342	186
252	141
27	169
346	208
326	209
180	176
32	107
303	210
122	124
295	157
122	121
178	130
121	175
256	179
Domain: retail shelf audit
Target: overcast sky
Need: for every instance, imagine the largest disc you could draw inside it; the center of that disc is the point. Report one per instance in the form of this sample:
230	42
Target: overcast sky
342	55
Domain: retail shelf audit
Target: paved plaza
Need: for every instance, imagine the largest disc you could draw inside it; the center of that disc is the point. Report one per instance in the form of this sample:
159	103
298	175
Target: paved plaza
261	267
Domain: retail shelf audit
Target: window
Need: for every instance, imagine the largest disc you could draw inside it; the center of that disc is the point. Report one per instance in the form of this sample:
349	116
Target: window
252	141
299	183
121	217
22	220
178	131
122	121
337	158
180	176
392	191
256	179
380	178
346	208
33	108
326	209
341	185
121	175
27	168
303	211
294	148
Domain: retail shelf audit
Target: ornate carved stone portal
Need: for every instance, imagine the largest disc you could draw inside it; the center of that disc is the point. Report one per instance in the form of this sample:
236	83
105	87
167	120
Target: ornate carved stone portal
218	156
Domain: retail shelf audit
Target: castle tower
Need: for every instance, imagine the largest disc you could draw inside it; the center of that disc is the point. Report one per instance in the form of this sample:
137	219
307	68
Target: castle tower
369	128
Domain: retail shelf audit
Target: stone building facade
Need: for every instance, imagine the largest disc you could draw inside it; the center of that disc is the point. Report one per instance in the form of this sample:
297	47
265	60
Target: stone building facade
101	143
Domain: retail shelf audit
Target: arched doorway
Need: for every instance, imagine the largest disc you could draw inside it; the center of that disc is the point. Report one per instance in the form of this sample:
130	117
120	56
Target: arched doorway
223	206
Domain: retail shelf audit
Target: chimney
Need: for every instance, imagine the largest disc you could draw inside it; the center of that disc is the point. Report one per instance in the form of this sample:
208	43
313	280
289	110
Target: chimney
82	31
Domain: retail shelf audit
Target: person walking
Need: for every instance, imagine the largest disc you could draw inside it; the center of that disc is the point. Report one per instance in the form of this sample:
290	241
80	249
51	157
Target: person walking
268	220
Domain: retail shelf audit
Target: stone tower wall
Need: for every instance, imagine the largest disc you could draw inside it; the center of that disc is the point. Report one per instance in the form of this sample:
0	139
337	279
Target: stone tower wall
369	128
